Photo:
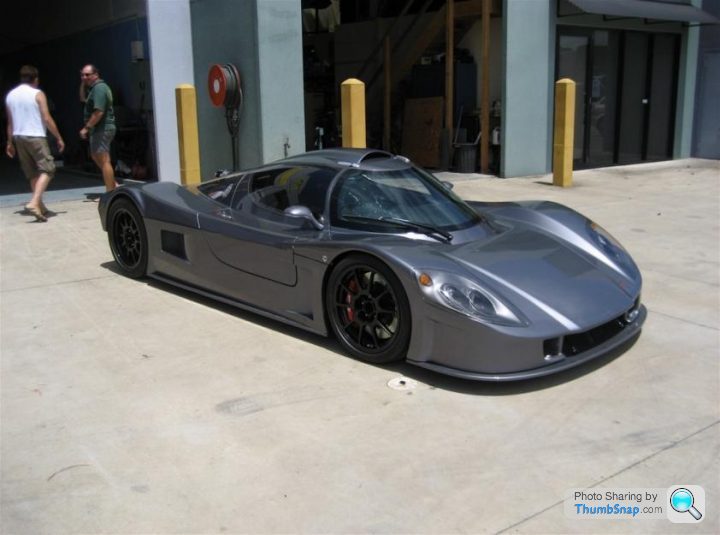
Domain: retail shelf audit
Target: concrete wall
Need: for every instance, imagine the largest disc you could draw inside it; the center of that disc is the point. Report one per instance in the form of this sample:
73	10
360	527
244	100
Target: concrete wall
280	64
264	41
527	109
687	75
224	31
706	134
172	64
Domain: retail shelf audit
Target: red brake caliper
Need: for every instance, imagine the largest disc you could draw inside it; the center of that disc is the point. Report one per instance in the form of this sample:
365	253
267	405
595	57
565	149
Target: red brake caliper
349	312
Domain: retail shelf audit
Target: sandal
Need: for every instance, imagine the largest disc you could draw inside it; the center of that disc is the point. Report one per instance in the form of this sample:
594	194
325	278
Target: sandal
43	209
37	212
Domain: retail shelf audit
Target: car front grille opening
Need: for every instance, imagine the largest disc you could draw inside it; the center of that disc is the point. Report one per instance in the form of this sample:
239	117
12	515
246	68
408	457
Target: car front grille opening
574	344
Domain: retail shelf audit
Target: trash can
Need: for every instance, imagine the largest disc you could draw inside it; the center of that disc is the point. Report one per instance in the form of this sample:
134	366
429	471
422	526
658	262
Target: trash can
465	157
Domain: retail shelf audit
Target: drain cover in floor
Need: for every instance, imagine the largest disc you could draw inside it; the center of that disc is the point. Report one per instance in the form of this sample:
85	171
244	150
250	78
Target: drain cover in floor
402	383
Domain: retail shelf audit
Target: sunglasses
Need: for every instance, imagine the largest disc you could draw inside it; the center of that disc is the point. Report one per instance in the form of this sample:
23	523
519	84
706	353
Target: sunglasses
85	74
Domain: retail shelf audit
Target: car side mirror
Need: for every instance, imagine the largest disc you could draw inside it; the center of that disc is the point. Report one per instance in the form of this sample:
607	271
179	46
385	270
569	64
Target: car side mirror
448	185
303	212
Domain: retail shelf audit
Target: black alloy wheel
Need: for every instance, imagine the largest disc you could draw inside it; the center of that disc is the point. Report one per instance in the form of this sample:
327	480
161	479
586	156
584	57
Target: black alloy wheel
127	237
368	310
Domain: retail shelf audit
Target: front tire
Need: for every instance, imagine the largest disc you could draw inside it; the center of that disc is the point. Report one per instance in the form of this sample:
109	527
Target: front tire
368	310
127	237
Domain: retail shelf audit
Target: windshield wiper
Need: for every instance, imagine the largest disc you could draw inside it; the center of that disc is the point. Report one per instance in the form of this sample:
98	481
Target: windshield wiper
428	230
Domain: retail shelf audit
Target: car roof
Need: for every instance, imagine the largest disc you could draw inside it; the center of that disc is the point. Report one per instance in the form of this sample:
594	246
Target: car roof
367	159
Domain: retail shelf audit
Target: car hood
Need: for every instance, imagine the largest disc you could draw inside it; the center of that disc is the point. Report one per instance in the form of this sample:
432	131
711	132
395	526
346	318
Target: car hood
547	275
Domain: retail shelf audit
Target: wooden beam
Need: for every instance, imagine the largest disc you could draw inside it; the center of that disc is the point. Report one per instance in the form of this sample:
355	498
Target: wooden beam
449	70
387	100
468	8
485	95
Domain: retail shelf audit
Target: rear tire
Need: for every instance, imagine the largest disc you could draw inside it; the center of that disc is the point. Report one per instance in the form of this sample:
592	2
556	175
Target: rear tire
127	237
368	310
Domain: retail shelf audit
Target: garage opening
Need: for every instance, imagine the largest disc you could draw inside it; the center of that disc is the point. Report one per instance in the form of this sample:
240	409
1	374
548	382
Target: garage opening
59	38
398	48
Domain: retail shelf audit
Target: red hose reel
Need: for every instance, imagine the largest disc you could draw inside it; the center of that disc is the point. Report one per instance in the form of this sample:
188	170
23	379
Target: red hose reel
224	85
225	91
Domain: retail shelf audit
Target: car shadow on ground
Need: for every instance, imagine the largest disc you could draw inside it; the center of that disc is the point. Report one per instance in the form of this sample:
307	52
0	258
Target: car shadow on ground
327	343
426	377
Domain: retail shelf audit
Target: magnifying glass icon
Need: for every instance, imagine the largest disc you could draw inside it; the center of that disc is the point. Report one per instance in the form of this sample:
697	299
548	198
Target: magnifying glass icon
682	501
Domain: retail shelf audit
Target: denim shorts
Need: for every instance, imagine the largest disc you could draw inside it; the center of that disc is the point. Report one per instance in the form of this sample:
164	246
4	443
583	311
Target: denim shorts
100	139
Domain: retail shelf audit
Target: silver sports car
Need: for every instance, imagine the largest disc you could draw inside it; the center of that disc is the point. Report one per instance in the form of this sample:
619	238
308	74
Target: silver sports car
368	246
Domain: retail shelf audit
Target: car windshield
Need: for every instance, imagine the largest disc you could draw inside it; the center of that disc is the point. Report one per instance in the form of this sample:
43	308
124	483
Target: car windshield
382	200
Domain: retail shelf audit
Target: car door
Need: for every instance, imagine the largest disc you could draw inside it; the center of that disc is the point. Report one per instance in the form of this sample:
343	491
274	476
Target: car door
253	235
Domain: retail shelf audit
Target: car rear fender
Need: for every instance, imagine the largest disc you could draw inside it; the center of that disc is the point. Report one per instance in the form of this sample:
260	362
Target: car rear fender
131	192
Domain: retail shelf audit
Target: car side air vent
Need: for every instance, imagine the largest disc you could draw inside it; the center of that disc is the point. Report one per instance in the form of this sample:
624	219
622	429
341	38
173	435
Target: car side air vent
173	243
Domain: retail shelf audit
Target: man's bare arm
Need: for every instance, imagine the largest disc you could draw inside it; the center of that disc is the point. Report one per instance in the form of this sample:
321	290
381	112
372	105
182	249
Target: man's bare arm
48	120
9	147
94	119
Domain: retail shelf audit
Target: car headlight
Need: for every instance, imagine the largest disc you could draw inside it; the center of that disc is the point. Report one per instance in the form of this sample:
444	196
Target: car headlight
468	298
613	251
605	240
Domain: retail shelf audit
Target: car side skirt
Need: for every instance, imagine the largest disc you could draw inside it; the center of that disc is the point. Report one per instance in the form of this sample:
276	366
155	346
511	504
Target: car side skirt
235	303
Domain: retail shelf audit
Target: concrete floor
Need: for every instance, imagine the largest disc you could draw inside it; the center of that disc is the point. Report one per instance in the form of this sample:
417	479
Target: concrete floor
132	407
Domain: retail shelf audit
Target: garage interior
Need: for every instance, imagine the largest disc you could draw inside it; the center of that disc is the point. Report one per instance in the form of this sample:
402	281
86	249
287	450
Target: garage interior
59	38
399	49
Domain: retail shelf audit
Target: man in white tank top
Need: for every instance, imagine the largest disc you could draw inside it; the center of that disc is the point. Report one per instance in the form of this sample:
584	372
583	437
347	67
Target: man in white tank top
28	118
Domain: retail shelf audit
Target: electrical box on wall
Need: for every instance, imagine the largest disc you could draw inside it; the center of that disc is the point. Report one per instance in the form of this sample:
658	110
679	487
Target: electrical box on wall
137	50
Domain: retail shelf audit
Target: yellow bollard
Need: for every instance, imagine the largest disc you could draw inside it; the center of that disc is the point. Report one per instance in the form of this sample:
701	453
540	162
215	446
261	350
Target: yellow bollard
352	98
186	105
564	133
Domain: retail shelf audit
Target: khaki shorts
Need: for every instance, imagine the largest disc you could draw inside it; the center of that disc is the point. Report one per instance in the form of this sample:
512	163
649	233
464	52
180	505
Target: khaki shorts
100	139
34	155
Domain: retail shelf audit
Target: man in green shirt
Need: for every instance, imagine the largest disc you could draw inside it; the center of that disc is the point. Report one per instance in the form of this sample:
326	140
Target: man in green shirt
99	120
